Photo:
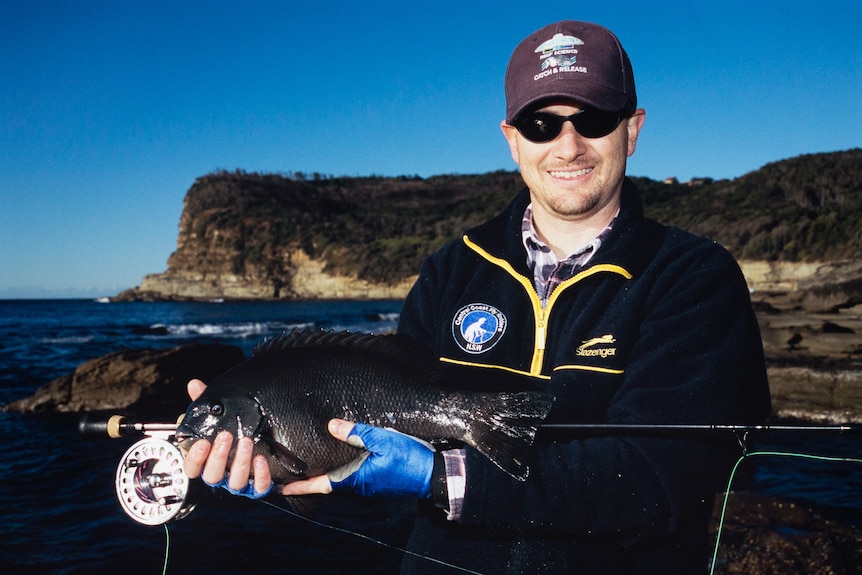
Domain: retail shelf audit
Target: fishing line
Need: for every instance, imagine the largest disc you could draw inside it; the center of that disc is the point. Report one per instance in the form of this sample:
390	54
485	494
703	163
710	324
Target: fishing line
719	529
739	461
368	538
167	549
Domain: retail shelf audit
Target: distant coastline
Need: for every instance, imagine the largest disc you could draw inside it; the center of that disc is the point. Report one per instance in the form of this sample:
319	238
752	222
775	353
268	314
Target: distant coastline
268	236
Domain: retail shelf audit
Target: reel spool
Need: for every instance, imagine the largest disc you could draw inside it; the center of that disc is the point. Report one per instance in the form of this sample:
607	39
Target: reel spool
151	485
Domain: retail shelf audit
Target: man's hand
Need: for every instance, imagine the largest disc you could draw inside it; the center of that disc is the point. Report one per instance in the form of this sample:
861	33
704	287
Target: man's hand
210	461
393	464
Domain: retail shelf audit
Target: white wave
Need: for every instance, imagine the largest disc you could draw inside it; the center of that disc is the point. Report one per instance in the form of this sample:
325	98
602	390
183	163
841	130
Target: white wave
71	339
242	329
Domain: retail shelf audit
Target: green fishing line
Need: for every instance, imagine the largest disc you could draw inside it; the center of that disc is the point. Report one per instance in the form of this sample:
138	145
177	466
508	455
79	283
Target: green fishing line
465	570
167	549
733	473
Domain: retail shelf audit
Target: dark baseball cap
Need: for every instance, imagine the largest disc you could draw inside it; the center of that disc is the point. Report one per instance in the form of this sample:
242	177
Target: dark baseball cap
574	61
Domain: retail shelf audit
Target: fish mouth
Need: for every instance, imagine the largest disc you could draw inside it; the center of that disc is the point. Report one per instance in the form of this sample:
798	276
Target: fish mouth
185	445
185	438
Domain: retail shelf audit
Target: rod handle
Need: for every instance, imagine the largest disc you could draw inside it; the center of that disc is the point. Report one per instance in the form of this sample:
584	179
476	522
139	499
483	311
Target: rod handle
114	426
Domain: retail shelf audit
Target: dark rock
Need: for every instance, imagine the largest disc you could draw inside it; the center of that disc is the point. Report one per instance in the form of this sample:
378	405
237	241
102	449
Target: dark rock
146	381
833	292
836	286
830	327
823	393
763	535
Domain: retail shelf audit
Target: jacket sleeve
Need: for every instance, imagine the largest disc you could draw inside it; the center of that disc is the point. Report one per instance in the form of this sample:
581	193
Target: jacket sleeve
697	358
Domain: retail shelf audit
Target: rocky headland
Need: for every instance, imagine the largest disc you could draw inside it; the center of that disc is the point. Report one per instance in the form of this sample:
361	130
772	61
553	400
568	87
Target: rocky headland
293	236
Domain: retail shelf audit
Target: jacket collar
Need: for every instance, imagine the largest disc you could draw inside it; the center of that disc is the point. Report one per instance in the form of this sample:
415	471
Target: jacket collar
501	236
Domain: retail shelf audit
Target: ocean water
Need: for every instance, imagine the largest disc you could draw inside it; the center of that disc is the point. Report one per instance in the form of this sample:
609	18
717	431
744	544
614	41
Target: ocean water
57	498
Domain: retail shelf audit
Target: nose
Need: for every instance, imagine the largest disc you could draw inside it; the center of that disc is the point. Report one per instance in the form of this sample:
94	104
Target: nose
569	144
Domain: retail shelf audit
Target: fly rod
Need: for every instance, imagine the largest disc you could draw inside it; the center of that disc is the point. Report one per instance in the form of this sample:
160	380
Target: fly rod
634	428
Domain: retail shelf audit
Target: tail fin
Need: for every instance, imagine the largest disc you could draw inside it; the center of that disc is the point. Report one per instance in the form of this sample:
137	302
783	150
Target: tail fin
505	427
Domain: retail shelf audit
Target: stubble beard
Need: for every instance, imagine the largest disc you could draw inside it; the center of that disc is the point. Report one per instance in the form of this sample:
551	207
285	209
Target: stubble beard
575	207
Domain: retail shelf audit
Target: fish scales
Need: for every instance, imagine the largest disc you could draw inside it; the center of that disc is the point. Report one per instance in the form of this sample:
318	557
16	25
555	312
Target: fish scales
293	385
355	388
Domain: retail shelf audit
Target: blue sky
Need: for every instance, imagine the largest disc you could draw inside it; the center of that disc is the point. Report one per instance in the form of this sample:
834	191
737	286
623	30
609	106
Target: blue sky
110	109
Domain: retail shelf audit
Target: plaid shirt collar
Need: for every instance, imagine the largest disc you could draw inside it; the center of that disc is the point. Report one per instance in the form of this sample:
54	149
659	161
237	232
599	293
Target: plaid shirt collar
548	271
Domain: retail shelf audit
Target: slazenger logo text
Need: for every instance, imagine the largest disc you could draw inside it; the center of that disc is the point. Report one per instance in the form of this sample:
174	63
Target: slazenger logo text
603	352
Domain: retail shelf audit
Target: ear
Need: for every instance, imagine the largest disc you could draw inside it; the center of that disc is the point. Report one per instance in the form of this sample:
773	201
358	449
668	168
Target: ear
634	125
511	134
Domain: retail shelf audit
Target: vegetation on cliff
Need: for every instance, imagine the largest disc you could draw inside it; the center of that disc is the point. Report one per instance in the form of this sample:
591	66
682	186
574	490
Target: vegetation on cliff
807	208
380	228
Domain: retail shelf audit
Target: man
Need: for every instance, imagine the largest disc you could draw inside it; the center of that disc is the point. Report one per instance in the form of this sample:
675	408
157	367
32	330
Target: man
621	319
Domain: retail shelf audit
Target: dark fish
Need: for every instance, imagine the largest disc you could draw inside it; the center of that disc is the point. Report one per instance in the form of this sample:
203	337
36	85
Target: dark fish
294	384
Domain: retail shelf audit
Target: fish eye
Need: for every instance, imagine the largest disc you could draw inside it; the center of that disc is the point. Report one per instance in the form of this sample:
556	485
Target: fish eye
217	409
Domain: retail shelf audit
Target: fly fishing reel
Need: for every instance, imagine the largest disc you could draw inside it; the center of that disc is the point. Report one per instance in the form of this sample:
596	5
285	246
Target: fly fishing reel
150	482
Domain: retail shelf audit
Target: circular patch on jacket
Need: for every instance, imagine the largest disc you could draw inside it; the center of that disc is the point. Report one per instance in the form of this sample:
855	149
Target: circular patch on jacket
478	327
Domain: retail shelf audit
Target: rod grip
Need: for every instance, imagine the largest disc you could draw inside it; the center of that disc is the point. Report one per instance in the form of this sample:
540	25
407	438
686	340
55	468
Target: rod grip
114	426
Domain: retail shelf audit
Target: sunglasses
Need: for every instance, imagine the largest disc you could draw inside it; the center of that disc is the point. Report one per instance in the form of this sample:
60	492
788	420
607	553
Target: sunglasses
542	127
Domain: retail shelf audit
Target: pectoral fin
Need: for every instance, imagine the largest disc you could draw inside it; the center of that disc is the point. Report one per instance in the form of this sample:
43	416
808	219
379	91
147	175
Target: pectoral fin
288	460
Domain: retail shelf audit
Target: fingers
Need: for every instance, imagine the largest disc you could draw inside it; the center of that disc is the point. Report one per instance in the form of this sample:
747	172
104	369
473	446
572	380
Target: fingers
196	458
262	474
210	460
240	469
216	463
340	429
195	388
319	484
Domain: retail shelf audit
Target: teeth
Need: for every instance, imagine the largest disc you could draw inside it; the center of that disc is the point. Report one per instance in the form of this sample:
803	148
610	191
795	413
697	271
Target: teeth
571	175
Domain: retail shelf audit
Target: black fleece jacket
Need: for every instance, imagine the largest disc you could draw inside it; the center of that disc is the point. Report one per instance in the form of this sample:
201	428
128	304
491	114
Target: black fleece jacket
658	328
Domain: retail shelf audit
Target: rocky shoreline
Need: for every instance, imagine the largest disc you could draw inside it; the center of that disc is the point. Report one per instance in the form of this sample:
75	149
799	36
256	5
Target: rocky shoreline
769	536
810	318
142	381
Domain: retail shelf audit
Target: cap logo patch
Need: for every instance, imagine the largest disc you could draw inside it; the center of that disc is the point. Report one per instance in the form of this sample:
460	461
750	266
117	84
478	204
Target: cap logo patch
478	327
559	42
559	55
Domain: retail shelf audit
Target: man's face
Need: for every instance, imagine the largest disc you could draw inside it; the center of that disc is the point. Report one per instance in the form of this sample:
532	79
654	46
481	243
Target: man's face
574	178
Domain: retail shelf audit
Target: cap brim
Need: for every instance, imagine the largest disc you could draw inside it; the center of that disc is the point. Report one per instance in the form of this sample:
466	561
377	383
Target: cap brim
605	99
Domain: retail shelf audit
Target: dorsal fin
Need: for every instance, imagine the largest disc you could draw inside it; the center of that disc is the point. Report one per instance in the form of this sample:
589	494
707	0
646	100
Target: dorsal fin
308	337
397	348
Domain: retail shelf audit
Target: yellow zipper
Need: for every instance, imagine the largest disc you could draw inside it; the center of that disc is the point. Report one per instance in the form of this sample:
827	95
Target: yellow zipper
541	338
543	313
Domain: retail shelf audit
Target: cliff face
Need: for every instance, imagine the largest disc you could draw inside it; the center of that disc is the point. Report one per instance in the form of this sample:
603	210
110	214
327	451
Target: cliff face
261	236
303	278
251	236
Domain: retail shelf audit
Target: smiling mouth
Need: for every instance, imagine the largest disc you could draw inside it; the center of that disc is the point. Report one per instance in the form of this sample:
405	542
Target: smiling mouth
570	174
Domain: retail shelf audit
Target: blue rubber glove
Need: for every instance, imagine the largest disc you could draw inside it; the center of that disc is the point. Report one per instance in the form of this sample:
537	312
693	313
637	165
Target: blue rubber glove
394	464
247	491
